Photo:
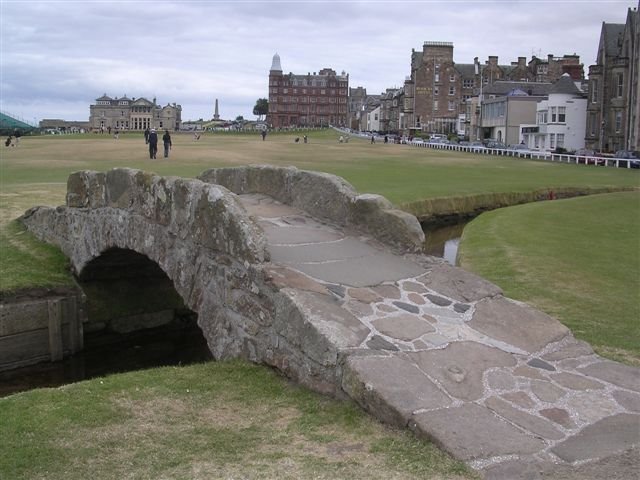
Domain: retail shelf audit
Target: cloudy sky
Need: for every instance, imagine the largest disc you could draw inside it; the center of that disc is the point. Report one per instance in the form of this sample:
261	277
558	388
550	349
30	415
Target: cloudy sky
57	57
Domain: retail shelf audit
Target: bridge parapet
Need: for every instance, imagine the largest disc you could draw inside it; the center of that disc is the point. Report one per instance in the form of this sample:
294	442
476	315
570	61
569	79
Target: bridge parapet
208	214
325	196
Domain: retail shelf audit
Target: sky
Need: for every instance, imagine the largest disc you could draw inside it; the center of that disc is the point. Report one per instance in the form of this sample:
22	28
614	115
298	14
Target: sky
57	57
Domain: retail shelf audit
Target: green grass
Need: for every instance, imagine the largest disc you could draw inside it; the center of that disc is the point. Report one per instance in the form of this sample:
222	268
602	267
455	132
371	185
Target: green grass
576	259
213	420
26	262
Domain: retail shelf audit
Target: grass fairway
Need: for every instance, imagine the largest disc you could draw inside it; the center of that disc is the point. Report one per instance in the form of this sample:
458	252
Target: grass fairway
213	420
576	259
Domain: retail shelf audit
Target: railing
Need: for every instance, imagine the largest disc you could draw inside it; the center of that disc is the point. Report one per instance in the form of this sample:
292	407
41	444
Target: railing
552	157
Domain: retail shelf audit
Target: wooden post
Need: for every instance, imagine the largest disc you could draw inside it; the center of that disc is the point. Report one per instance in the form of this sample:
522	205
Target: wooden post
55	330
75	324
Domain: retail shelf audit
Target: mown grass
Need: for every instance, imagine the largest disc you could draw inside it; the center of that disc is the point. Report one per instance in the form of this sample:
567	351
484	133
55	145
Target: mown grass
213	420
576	259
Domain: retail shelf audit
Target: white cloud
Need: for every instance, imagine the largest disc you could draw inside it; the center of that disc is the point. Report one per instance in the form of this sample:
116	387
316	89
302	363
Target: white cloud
58	56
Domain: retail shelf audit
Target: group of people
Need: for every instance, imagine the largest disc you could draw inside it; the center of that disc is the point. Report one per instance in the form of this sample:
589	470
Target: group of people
151	139
13	141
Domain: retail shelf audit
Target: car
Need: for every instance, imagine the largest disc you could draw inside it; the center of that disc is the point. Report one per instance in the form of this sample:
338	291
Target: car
585	152
627	154
417	141
495	144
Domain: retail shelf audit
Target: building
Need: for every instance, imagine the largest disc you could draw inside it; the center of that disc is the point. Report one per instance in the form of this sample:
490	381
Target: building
309	100
357	99
391	110
66	126
613	112
560	119
133	114
438	92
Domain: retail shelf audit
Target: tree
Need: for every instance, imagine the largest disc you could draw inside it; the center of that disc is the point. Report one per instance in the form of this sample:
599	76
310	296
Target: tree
261	108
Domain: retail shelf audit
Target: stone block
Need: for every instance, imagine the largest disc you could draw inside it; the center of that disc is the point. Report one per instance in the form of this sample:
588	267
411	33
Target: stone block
403	327
460	367
516	324
459	284
611	435
621	375
390	388
473	432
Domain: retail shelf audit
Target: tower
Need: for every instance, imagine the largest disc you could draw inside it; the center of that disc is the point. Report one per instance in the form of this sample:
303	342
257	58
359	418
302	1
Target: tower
216	116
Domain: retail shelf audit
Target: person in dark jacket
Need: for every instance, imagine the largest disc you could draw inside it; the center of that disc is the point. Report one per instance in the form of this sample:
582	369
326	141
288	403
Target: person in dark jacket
153	143
146	136
166	140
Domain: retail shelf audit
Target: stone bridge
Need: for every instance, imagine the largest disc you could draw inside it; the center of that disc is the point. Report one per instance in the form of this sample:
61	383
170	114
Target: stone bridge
295	270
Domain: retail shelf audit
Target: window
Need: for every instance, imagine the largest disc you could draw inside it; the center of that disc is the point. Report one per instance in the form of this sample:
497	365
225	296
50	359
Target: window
594	91
593	124
542	117
436	91
452	77
467	83
560	140
618	121
322	92
437	77
452	90
619	84
285	90
435	104
562	114
553	114
552	141
452	106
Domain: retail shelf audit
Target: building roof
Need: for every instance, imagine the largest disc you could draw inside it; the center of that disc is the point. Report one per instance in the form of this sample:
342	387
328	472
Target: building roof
466	70
612	34
565	86
502	87
104	97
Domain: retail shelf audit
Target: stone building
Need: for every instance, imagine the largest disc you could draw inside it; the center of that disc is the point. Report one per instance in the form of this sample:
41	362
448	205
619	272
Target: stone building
437	89
133	114
613	111
311	100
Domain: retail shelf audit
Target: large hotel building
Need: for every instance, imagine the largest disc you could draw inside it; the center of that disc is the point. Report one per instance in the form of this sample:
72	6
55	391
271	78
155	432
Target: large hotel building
310	100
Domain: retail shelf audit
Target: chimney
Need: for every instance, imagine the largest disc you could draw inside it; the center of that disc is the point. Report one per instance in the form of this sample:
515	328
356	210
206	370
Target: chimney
522	61
493	60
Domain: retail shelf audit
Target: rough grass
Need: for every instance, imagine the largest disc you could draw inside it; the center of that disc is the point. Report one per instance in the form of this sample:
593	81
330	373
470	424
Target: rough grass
213	420
576	259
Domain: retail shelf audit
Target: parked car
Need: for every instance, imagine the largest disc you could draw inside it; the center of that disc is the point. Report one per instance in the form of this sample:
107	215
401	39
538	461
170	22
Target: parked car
585	152
629	154
417	141
495	144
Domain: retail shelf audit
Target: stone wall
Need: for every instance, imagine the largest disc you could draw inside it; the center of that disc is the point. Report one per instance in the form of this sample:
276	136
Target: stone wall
325	196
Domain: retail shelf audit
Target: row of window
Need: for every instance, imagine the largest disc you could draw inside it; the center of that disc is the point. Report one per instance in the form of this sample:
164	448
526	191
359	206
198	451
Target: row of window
274	99
618	87
307	108
451	106
311	91
307	83
555	114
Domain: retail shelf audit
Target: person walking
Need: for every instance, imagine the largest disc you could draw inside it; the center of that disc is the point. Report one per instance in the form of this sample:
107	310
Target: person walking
153	143
146	136
17	136
166	140
263	133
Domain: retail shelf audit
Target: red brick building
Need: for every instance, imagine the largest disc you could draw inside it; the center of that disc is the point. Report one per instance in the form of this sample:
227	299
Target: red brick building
310	100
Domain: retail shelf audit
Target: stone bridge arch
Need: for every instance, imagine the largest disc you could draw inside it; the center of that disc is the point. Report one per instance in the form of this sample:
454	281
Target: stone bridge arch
214	253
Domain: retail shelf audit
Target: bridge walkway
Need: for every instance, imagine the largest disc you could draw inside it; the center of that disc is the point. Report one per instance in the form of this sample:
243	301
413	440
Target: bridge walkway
493	381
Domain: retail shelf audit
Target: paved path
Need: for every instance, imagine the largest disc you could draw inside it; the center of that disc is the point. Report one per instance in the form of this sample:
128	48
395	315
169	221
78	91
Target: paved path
494	382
